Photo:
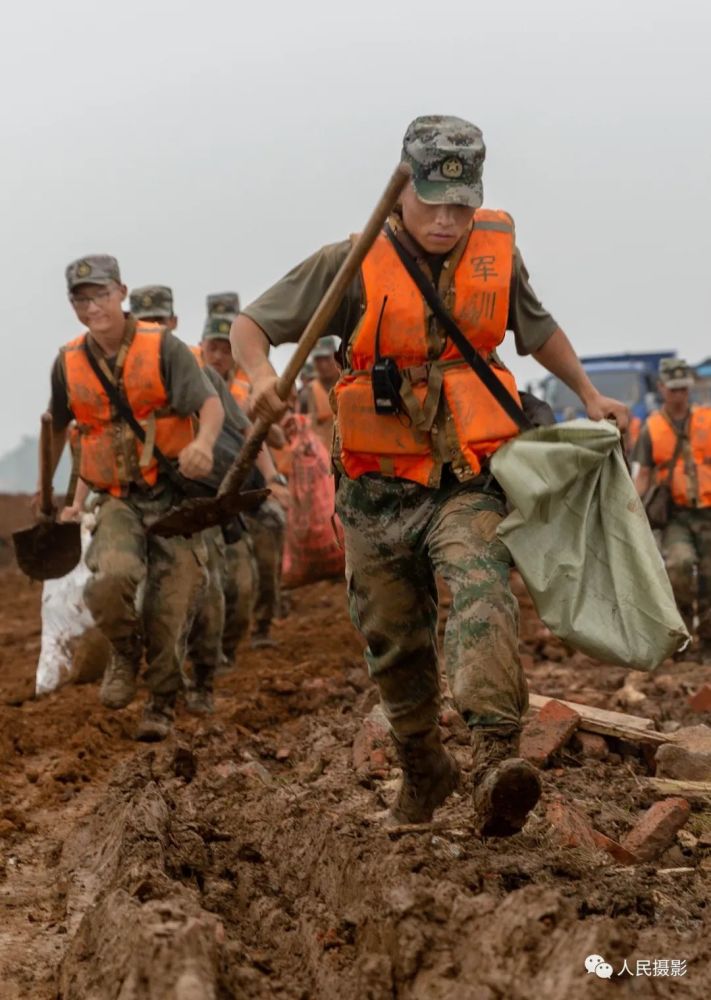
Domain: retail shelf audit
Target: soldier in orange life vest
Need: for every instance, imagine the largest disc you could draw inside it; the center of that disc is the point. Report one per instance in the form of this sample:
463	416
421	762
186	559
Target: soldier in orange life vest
680	434
158	378
315	396
415	495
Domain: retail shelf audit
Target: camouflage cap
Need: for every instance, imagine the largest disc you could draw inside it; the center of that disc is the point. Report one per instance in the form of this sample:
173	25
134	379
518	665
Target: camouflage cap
217	328
675	373
325	348
152	300
96	269
447	159
223	304
308	371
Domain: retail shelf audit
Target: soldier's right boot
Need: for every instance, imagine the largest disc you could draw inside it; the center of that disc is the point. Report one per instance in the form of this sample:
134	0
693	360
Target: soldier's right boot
429	775
118	685
505	786
158	718
198	697
261	638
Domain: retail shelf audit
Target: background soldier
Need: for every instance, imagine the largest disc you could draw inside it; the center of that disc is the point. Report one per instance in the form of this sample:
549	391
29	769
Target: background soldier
158	378
415	494
315	395
679	435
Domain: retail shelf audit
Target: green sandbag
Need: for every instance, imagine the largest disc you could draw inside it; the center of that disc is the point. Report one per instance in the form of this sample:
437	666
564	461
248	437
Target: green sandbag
580	538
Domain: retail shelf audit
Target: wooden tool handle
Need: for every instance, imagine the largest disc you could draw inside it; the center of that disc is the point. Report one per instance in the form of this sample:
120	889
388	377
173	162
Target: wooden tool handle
46	471
318	325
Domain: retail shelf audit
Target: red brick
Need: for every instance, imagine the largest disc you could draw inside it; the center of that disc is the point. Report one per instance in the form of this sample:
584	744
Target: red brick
701	700
657	828
593	745
378	758
615	850
548	732
373	733
570	826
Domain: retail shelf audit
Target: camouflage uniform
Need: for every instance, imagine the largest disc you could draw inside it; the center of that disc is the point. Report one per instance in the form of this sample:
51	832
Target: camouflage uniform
204	643
264	552
399	534
144	589
686	539
123	559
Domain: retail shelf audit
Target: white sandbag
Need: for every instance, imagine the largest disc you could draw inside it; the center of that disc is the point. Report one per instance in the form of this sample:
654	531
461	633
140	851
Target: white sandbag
580	538
65	617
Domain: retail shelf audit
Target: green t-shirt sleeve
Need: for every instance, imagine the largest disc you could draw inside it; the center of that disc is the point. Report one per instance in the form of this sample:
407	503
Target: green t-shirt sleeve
284	310
186	384
643	449
531	324
62	416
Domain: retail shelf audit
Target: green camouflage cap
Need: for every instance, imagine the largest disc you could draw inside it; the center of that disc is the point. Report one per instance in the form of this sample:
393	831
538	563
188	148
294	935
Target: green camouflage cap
223	304
447	159
675	373
96	269
325	348
308	371
217	328
152	300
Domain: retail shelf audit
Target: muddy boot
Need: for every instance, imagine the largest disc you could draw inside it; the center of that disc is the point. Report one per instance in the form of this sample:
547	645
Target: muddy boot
118	685
158	717
198	697
505	787
261	638
429	774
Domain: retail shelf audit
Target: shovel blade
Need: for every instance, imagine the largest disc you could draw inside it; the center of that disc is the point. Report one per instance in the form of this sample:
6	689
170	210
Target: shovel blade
205	512
48	551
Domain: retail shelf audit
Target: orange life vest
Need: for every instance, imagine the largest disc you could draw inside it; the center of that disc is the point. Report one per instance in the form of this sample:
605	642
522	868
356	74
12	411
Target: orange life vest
633	429
320	411
240	387
196	351
110	452
478	299
691	476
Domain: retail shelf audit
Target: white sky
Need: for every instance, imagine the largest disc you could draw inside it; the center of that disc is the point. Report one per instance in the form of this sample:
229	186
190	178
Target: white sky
212	145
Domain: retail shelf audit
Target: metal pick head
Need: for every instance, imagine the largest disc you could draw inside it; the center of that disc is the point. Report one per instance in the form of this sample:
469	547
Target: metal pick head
205	512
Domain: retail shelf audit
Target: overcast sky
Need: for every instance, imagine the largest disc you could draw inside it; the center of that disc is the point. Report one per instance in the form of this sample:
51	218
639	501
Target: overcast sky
212	145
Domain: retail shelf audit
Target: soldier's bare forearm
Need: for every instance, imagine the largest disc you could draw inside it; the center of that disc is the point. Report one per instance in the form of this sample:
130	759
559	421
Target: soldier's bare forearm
250	347
558	356
212	416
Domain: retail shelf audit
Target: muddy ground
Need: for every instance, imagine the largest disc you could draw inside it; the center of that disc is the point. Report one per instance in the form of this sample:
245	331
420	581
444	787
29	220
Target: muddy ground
245	857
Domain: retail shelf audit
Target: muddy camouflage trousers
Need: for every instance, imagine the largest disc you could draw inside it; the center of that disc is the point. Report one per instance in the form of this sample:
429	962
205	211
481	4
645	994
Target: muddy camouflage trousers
239	581
398	535
144	589
267	528
686	545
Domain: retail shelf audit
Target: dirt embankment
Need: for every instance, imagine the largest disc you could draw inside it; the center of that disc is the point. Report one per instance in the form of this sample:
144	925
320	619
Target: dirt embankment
246	857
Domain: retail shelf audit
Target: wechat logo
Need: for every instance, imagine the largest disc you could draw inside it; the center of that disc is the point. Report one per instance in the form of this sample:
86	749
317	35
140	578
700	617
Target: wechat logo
598	965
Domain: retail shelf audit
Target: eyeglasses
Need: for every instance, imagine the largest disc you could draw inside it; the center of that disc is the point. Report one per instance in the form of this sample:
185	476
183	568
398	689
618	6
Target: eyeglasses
98	298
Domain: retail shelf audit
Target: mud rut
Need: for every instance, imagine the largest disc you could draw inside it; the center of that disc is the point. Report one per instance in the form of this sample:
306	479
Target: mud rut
245	857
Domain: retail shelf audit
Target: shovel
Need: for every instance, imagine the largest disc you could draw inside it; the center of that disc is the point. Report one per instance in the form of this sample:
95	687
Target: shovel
196	515
48	550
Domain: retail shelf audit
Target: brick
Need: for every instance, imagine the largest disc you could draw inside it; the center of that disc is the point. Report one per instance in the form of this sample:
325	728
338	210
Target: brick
548	732
688	758
593	745
615	850
372	733
701	700
657	828
527	662
571	828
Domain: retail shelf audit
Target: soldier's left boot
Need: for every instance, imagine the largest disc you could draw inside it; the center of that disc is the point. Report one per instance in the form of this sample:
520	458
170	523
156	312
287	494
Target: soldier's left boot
158	718
505	787
261	638
198	697
429	775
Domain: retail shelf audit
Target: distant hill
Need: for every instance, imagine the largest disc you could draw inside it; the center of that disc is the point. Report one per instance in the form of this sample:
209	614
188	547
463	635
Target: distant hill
18	469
